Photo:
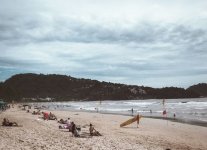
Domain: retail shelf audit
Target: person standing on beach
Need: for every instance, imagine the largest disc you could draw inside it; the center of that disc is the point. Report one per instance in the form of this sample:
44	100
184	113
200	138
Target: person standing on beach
163	102
132	111
164	113
174	115
138	117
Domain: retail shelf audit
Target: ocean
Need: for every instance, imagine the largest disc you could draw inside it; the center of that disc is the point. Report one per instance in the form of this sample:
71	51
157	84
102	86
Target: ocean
186	110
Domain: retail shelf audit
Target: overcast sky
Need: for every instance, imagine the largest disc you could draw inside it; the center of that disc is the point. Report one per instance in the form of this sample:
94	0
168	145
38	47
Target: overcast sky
154	43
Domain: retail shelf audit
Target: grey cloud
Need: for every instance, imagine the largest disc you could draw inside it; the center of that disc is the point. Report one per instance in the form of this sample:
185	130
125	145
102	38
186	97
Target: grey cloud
135	52
20	64
73	30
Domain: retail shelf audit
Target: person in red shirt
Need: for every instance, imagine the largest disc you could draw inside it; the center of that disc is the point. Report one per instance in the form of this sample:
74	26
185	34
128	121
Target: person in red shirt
45	115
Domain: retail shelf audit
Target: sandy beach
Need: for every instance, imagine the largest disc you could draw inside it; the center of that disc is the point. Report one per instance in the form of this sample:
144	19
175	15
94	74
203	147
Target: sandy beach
152	134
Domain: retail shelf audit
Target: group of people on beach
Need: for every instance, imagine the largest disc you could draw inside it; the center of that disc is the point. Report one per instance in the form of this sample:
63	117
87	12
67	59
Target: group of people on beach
6	122
49	116
71	126
74	129
65	124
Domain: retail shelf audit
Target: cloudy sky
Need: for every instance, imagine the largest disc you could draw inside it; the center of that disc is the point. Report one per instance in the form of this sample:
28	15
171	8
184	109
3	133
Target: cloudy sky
154	43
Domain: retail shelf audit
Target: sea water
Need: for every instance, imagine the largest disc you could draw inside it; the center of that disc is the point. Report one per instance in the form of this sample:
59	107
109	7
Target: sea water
185	109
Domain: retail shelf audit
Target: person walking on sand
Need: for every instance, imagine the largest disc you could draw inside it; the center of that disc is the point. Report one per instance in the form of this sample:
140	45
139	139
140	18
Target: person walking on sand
132	111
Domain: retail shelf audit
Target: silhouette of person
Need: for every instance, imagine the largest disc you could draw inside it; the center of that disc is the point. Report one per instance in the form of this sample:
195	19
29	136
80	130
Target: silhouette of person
132	111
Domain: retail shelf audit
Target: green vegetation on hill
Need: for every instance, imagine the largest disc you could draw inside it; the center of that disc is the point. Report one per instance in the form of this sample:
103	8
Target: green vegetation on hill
65	88
200	88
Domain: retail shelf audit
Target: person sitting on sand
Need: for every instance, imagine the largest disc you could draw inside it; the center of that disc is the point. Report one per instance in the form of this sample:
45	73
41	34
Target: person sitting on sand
74	130
93	132
67	124
61	121
36	112
45	115
6	122
52	116
64	126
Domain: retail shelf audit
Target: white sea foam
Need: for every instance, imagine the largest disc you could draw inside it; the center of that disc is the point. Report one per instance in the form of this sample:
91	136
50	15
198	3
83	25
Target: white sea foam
183	108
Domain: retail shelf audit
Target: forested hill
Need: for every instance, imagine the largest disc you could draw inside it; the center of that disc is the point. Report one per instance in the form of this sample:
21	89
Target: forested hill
65	88
200	88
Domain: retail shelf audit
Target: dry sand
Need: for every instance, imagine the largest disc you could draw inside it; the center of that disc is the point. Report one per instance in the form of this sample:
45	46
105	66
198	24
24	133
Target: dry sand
152	134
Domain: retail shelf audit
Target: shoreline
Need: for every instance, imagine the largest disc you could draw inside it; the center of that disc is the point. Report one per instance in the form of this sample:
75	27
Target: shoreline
190	122
196	118
179	120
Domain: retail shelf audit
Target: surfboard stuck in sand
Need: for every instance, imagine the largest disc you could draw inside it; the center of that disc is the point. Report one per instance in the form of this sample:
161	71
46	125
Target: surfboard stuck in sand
130	121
